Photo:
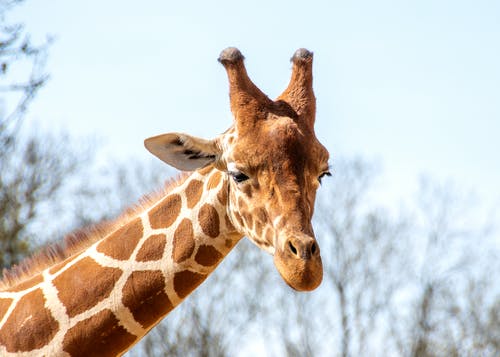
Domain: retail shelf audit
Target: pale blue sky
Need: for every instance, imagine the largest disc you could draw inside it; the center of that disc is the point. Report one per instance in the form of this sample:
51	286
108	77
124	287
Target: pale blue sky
415	85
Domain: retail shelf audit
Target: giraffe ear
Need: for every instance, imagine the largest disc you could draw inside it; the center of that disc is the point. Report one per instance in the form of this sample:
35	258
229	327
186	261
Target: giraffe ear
182	151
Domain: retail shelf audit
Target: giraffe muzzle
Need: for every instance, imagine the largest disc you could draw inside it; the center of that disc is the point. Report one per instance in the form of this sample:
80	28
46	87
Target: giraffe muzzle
299	263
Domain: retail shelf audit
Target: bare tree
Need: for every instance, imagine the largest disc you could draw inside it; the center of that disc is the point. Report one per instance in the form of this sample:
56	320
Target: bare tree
35	184
480	317
450	247
17	86
35	168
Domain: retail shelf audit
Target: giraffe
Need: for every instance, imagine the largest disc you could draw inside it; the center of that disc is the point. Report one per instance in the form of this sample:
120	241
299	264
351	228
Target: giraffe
103	291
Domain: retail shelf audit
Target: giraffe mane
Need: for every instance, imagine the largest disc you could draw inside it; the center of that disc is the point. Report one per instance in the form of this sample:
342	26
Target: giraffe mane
82	238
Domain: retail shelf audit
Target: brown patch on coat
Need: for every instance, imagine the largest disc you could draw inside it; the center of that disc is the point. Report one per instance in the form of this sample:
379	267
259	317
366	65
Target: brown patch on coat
214	180
248	219
242	204
209	220
207	255
183	244
165	213
84	284
152	248
193	192
37	279
186	281
99	335
144	296
239	219
269	236
4	306
121	244
258	229
222	195
247	190
205	170
30	325
261	214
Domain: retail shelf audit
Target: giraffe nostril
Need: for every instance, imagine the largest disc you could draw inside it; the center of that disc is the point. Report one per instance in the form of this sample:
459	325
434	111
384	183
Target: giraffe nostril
292	248
304	248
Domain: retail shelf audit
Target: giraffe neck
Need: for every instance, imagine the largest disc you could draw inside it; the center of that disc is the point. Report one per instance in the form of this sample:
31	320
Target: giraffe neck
104	299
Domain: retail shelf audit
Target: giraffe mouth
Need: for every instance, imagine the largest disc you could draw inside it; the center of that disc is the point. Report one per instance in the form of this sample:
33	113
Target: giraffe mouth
299	263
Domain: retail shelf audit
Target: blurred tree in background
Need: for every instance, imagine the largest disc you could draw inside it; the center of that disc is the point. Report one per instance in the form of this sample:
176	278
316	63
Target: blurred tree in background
32	167
414	281
21	71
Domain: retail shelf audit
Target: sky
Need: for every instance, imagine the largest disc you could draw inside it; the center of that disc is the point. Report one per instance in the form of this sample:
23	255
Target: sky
414	86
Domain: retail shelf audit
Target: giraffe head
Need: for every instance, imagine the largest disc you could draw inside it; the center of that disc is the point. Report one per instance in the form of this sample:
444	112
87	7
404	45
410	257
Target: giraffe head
274	164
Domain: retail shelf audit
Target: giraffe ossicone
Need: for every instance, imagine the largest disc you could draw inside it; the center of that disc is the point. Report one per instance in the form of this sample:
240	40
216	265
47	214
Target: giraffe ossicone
105	291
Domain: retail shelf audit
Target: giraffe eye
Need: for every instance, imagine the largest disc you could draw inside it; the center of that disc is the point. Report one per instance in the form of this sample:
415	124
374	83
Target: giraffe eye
238	176
326	173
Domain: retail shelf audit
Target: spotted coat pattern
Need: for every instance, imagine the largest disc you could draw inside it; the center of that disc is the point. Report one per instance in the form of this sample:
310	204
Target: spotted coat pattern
106	298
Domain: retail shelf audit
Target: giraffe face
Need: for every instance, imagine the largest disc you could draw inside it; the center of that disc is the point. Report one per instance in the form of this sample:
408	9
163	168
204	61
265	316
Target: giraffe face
274	172
274	165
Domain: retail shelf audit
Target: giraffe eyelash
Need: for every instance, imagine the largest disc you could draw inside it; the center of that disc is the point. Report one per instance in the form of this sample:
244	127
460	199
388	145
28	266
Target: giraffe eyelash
326	173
